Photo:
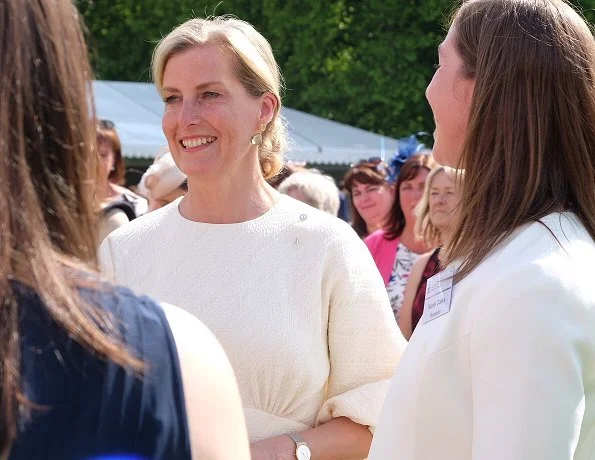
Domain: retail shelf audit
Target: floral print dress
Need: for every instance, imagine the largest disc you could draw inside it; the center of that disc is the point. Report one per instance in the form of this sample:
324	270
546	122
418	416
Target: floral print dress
399	277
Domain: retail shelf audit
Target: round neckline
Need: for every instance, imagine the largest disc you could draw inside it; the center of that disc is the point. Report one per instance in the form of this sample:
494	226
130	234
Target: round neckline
257	221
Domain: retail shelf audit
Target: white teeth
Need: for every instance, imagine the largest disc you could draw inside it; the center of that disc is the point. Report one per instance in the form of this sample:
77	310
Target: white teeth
197	141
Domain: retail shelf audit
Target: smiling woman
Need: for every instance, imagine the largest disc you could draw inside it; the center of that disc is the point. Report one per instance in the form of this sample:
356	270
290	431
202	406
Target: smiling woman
371	196
291	291
87	369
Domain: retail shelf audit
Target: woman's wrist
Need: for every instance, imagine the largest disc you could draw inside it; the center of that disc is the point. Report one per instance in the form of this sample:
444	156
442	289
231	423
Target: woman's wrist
277	448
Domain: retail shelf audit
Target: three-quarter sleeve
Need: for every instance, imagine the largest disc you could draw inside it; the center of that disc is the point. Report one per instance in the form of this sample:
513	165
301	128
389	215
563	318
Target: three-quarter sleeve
530	348
364	342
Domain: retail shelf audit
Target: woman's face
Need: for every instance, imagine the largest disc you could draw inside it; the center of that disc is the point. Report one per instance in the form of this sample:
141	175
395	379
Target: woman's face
449	95
444	201
209	116
373	202
410	194
107	159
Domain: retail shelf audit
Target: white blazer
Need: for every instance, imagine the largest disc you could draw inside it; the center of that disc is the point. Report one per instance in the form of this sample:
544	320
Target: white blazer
509	372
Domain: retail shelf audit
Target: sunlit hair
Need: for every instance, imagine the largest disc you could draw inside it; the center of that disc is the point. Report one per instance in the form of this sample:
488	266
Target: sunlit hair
425	230
319	190
409	171
255	68
367	173
530	141
48	168
111	138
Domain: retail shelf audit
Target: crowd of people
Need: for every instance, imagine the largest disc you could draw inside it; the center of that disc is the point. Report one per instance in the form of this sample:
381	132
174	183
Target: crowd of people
222	310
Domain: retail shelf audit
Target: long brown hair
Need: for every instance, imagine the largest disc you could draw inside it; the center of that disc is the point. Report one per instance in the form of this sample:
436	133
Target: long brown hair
530	143
409	171
47	176
364	172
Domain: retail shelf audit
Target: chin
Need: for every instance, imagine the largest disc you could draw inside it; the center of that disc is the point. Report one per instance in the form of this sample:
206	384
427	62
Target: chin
444	156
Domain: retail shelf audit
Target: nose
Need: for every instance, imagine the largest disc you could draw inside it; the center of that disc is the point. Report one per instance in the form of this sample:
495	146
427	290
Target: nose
440	199
366	195
189	114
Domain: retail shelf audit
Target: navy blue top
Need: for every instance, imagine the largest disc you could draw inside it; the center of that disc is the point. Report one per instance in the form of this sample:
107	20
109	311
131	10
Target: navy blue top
93	409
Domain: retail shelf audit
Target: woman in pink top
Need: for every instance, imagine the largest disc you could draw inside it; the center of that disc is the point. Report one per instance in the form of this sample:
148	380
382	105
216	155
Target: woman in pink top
395	247
370	194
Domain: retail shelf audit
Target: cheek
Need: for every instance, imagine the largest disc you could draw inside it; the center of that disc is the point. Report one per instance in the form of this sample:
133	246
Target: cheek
386	199
451	203
357	201
169	122
404	198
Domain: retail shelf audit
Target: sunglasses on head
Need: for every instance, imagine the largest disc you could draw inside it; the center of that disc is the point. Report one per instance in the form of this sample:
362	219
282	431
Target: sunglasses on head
376	162
107	124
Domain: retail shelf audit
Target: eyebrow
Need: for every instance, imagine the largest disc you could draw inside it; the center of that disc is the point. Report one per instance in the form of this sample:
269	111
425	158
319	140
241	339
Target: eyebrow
198	87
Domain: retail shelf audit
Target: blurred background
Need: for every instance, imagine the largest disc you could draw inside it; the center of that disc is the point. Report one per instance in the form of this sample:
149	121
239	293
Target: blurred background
362	63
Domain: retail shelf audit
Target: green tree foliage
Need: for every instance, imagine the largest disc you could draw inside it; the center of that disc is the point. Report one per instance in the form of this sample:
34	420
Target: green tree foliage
362	62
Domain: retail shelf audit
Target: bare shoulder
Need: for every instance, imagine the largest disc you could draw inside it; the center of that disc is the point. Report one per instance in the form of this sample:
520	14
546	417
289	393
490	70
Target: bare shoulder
215	415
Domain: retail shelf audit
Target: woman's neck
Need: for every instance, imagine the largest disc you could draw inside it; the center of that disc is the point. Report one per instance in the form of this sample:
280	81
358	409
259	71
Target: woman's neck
227	201
408	239
372	227
110	191
446	237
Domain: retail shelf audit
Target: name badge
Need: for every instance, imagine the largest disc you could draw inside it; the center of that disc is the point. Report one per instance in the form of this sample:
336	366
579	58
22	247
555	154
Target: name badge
438	295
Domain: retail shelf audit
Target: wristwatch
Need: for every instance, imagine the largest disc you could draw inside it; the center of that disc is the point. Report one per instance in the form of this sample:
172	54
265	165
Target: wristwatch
302	451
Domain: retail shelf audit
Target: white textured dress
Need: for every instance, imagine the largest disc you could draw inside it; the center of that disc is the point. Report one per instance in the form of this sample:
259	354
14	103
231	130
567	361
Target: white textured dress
293	296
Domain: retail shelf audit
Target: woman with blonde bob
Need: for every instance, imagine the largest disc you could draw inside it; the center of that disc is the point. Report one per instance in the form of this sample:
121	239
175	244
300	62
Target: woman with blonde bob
290	291
436	219
87	369
502	364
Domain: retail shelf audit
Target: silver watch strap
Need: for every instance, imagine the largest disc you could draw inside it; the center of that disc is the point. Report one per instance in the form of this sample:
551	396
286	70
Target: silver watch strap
296	438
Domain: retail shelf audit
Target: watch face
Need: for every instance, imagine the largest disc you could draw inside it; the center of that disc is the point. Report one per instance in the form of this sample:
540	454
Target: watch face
303	453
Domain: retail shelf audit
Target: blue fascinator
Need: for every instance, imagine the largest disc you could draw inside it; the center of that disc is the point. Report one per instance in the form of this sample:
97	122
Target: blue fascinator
408	147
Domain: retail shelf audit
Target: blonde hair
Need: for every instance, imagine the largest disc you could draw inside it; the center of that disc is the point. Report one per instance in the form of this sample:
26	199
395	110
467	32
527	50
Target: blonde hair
425	230
255	68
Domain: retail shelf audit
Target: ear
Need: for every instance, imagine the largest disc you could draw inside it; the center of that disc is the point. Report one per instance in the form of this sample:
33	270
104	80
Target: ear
268	105
150	181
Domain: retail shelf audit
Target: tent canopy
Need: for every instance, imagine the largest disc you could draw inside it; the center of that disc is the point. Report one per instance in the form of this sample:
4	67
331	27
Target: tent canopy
136	110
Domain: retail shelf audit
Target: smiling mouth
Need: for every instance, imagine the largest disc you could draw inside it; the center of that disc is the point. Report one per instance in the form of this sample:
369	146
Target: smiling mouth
197	142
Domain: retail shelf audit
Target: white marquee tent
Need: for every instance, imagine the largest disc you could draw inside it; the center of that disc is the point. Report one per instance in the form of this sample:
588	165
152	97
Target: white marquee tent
136	110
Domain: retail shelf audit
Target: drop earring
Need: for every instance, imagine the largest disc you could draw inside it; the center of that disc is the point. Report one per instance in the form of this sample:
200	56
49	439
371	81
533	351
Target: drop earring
257	138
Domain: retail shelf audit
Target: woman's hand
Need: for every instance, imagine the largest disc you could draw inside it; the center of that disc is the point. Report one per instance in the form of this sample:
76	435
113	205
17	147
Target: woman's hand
277	448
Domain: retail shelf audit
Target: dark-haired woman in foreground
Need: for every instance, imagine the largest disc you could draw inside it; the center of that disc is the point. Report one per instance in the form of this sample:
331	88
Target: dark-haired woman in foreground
502	362
87	370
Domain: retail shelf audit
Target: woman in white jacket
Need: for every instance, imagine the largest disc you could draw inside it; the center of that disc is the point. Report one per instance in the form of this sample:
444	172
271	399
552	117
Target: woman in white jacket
502	364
